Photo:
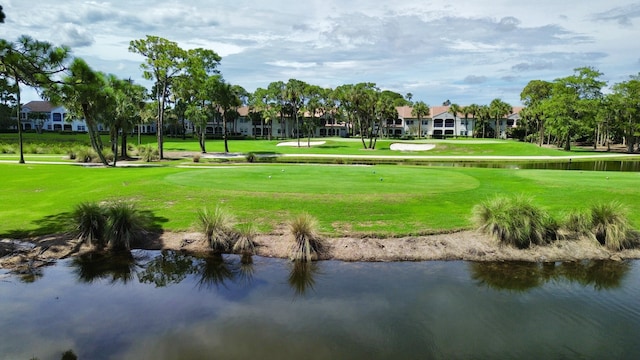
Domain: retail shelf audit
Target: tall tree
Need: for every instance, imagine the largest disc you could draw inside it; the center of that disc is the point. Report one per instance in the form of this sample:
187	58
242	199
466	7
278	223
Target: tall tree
533	95
128	101
295	95
499	110
420	110
277	99
470	110
625	101
573	104
83	93
483	114
32	63
226	98
455	109
164	61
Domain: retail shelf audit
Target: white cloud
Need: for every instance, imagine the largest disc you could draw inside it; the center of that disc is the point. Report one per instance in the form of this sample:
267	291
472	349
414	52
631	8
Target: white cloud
464	50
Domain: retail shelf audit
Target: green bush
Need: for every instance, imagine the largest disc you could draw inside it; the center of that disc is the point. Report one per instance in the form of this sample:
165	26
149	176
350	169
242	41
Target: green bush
251	157
125	224
515	221
610	225
90	223
217	226
115	225
307	245
244	242
86	155
148	153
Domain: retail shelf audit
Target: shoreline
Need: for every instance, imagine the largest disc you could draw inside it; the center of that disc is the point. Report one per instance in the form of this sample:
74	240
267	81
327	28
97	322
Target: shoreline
21	256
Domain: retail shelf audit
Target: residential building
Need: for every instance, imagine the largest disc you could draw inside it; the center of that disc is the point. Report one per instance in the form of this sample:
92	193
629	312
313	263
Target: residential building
440	122
43	116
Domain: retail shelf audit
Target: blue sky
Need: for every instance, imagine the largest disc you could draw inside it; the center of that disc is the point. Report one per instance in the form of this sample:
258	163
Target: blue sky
467	51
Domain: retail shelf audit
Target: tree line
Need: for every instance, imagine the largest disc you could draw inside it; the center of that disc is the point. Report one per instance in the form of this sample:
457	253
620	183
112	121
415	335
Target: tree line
576	108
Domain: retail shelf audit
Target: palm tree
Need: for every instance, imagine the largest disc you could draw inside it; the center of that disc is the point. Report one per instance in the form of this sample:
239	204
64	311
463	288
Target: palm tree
454	109
499	109
470	110
420	109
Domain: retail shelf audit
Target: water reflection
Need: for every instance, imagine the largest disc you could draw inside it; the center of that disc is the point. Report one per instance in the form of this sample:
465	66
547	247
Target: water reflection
596	165
520	277
99	265
301	276
172	267
215	270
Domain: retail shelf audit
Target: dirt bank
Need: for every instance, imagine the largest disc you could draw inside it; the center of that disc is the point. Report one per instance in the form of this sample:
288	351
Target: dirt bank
25	255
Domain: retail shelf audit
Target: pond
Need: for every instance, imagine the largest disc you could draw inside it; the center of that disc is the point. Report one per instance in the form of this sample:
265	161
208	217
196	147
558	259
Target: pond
168	305
595	165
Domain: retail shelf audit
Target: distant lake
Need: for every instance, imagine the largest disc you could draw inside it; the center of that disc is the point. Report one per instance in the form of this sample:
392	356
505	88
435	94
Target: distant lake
596	165
168	305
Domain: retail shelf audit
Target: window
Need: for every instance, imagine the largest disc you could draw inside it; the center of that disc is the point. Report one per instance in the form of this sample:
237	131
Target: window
57	117
49	127
448	123
81	128
425	122
448	132
409	122
398	121
438	123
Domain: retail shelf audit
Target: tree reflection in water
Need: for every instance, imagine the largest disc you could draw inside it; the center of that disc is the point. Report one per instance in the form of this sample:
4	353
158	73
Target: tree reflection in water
521	276
172	267
301	277
102	265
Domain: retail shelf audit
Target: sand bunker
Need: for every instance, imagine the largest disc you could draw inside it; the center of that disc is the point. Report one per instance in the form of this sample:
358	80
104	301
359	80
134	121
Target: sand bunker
411	147
302	143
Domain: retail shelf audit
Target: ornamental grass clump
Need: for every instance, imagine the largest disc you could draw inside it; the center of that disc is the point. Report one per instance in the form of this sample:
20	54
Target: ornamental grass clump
115	225
244	239
90	221
515	221
578	222
125	224
148	153
217	225
610	225
307	245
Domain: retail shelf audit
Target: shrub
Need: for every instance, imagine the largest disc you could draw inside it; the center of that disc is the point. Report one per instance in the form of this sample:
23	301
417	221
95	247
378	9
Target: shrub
217	226
515	221
196	158
578	221
8	149
251	157
124	225
90	222
85	155
307	245
244	242
148	153
610	225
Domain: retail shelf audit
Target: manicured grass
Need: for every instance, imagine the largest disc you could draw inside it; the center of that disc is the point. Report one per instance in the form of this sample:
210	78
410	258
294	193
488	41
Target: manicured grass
37	199
332	146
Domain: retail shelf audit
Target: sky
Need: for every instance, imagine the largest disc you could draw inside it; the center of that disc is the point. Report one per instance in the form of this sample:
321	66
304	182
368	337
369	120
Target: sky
465	51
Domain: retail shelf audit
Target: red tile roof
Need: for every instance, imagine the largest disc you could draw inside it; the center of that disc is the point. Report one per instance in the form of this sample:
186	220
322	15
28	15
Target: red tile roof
38	106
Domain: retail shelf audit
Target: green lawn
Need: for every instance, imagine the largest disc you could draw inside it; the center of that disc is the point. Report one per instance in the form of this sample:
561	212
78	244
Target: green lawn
382	200
49	142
